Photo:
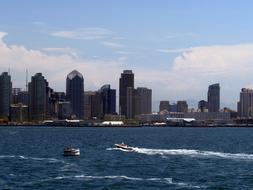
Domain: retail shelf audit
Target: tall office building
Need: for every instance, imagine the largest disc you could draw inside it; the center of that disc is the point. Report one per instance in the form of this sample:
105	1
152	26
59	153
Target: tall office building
38	98
143	101
182	106
245	105
164	105
93	105
5	94
75	93
126	80
130	103
213	98
108	96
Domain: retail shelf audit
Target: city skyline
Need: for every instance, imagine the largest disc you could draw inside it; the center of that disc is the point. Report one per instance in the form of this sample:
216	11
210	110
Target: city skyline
172	49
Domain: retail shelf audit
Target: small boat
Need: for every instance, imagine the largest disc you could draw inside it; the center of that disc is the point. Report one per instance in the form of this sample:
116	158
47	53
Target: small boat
69	151
124	146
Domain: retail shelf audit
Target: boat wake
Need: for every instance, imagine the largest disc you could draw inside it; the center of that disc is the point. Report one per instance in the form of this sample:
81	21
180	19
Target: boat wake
189	152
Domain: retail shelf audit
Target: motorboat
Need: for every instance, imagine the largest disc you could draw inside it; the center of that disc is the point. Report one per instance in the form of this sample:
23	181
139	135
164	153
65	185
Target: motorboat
124	146
70	151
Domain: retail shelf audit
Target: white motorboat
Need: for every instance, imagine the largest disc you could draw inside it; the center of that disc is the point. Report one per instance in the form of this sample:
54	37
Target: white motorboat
124	146
69	151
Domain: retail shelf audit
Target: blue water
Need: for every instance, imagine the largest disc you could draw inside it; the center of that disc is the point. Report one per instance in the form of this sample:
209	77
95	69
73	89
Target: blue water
163	158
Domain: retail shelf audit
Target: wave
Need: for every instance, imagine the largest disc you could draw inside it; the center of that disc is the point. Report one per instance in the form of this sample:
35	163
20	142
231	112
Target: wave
121	177
189	152
127	178
50	160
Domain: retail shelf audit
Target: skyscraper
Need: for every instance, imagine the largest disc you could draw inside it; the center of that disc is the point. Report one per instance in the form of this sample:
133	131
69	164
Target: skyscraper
5	94
245	105
38	98
75	93
108	96
213	98
143	101
126	80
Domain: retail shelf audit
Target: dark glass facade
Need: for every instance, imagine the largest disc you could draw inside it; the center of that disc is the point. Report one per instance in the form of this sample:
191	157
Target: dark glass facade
5	94
213	97
75	93
38	98
109	99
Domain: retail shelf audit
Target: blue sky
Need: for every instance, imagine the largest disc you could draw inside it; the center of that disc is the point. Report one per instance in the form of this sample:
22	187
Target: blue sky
175	47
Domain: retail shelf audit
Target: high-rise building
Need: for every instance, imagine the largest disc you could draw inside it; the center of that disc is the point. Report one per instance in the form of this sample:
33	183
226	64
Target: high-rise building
143	101
202	105
245	105
5	94
164	105
93	105
126	80
14	95
182	106
130	103
38	98
213	98
23	97
75	93
108	96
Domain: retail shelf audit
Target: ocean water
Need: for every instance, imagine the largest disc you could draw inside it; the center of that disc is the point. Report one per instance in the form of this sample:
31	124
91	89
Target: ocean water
162	158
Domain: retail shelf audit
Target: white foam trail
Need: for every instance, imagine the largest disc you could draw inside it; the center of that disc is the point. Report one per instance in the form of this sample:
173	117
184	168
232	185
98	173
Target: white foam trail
193	153
51	160
7	156
124	150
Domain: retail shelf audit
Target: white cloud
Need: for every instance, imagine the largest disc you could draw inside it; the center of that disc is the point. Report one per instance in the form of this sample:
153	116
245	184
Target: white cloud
111	44
194	70
124	52
84	33
59	50
173	50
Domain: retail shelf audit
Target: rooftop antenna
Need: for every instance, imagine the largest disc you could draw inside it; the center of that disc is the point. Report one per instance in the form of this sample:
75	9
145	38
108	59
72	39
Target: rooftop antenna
26	80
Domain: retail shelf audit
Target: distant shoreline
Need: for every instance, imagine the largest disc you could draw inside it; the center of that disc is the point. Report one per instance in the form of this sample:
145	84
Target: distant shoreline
132	126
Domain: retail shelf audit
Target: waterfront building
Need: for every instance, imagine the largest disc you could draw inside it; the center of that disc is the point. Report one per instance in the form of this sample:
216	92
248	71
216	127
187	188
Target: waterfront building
173	107
202	105
164	105
14	95
5	95
126	80
182	106
64	110
93	105
143	101
22	97
75	93
213	98
245	104
130	103
38	98
19	113
108	96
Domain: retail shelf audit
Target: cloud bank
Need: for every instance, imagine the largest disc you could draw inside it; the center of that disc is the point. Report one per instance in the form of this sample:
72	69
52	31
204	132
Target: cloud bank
187	77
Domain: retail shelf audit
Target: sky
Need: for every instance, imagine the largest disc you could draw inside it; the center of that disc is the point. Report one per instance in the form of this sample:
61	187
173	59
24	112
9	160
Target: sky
177	48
